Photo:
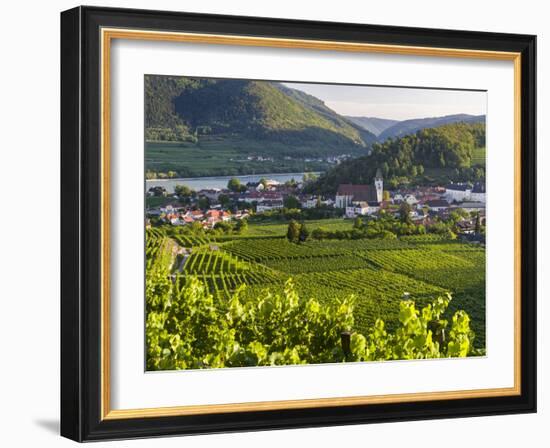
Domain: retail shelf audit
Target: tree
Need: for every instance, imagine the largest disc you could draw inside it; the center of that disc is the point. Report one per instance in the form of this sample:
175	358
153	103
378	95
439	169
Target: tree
358	223
224	227
224	200
405	213
309	178
293	232
386	195
304	233
291	183
241	226
183	191
291	202
235	185
203	203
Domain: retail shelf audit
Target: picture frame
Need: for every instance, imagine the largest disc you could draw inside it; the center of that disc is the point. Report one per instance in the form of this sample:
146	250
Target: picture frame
86	177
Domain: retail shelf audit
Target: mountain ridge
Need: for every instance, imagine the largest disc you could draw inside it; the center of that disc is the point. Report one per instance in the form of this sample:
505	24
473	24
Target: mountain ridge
184	109
375	125
407	127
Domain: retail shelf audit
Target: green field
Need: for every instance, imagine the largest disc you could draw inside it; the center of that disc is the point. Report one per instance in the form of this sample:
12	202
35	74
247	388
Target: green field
378	272
227	156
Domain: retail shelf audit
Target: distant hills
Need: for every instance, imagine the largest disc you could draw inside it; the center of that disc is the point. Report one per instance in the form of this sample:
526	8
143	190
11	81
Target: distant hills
209	127
190	109
384	128
407	127
373	124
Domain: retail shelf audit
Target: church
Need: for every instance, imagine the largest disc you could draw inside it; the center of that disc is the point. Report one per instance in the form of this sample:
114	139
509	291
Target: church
360	199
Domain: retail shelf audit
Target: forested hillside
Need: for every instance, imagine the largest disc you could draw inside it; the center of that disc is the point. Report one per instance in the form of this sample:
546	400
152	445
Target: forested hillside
182	109
449	152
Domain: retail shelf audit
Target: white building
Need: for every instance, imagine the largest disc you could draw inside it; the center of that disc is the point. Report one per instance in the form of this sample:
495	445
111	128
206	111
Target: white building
362	209
398	198
472	206
310	203
268	205
478	193
437	205
458	192
410	199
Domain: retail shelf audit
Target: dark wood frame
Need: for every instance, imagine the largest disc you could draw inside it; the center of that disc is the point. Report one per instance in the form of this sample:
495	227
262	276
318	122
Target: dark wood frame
81	208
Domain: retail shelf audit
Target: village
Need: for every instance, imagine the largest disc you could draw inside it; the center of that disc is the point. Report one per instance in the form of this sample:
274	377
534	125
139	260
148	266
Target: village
425	205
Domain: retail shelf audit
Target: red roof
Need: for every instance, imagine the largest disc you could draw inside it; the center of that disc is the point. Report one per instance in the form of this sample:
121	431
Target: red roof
358	192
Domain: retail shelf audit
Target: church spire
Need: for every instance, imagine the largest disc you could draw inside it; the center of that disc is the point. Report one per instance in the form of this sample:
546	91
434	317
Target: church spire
379	185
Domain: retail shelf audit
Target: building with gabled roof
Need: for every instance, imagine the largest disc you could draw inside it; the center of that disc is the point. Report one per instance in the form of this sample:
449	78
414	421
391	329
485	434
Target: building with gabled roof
347	194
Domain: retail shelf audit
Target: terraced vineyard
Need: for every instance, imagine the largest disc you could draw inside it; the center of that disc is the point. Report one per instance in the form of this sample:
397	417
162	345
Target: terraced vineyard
207	261
377	272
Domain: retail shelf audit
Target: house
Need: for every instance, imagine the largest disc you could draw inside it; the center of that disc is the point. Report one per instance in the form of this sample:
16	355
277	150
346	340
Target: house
265	206
211	193
410	199
437	205
473	206
197	215
310	202
458	192
466	226
362	208
398	198
478	192
176	221
349	193
157	191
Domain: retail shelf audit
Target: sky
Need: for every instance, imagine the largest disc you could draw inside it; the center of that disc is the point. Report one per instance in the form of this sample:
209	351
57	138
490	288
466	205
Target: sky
396	103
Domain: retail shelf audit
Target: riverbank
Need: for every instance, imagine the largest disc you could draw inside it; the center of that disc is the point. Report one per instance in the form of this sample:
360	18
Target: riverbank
220	182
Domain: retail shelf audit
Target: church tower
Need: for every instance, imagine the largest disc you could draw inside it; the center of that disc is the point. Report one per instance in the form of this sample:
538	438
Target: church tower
379	185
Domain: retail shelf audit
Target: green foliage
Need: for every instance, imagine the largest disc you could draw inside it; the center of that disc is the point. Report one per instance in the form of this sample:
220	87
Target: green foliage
291	201
293	232
187	329
375	269
447	150
235	185
405	213
304	233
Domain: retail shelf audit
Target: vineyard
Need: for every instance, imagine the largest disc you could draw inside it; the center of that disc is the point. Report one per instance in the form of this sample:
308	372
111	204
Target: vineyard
377	272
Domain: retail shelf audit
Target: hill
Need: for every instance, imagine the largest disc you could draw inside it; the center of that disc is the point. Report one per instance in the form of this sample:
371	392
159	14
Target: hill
373	124
429	156
182	109
407	127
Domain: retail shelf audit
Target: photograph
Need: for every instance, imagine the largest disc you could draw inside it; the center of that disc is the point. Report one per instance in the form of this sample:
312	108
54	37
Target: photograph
291	223
272	223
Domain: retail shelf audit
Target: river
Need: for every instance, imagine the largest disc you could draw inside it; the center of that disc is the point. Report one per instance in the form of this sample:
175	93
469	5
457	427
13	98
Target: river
203	183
